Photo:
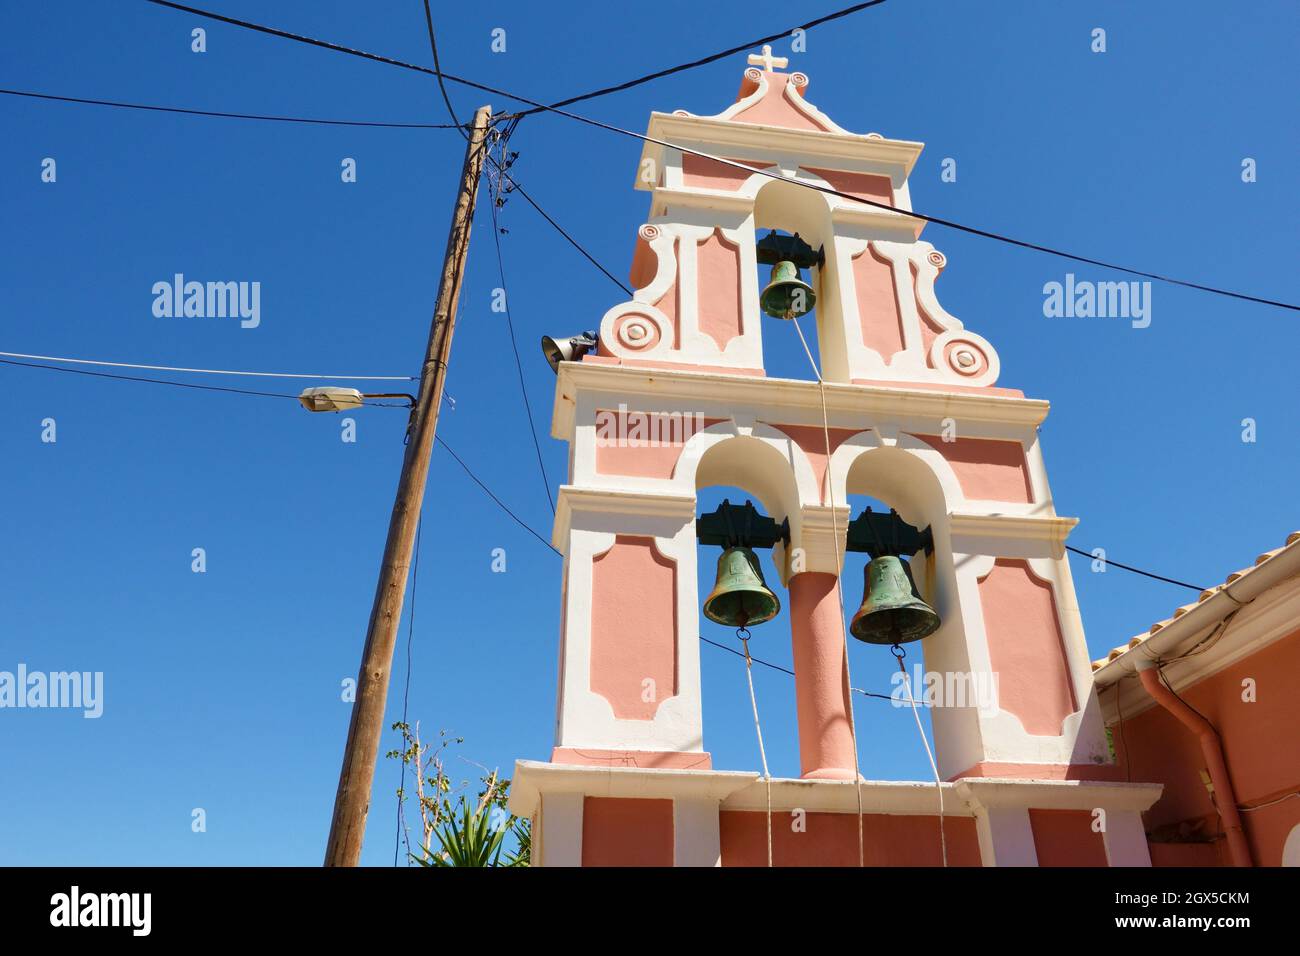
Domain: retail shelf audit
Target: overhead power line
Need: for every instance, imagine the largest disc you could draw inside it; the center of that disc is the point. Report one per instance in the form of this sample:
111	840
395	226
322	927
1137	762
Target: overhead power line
437	66
1126	567
241	391
159	381
537	107
210	371
783	670
488	491
516	187
496	203
936	220
468	471
742	48
604	91
193	112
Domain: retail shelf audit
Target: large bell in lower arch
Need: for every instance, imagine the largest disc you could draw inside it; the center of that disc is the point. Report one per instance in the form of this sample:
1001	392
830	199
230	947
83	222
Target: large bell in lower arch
740	597
892	612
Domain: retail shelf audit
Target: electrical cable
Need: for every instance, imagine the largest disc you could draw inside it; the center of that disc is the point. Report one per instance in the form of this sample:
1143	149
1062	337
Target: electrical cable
501	504
1123	740
748	658
704	60
1270	803
437	66
55	368
516	187
448	448
241	391
193	112
787	670
1214	799
936	220
211	371
514	344
538	107
1147	574
159	381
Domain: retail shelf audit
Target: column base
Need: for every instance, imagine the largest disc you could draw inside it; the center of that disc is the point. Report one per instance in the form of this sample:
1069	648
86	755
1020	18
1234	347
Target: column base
829	773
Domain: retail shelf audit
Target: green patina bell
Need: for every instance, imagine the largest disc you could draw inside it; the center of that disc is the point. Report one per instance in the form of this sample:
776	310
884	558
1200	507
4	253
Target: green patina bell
787	296
740	597
892	611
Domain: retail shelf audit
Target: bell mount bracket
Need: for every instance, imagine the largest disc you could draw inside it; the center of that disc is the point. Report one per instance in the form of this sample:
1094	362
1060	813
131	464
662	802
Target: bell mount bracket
873	533
774	248
878	534
730	525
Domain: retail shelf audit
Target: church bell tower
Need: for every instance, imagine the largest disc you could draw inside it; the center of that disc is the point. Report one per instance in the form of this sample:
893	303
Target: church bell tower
911	412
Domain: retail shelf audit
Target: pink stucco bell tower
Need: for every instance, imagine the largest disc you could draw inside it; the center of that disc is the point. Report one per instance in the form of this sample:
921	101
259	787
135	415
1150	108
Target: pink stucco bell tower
676	398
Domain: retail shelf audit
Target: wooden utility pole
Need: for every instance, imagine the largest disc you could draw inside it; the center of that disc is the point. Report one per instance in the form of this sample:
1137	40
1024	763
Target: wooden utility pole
352	802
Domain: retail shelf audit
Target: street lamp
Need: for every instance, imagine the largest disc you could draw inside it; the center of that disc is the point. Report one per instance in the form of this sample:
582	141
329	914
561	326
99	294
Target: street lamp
330	399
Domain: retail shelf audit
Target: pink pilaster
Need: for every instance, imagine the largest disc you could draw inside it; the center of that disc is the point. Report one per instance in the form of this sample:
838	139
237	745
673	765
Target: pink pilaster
821	692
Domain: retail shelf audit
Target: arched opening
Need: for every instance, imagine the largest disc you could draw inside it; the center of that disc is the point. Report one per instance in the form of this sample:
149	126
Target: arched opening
739	469
783	210
888	743
885	478
888	477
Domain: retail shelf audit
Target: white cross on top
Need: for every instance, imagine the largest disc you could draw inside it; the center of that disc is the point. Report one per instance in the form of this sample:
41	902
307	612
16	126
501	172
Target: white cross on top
766	60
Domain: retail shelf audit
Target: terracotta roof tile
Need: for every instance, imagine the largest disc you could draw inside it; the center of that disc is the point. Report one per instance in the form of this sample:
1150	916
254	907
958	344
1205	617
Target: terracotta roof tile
1205	595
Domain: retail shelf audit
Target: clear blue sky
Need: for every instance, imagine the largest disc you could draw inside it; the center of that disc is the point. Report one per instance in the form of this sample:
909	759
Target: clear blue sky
223	689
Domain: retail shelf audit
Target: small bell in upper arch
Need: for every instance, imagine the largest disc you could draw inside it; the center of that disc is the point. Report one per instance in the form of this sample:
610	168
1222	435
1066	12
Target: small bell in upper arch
787	296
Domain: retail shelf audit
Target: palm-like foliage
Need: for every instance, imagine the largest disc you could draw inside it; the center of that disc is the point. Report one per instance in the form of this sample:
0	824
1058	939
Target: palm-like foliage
467	833
467	838
522	831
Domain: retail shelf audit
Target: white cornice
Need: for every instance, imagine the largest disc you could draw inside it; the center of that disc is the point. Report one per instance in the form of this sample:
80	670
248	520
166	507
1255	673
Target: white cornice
533	777
813	146
1051	528
747	791
898	223
722	200
989	792
847	213
645	504
905	797
627	382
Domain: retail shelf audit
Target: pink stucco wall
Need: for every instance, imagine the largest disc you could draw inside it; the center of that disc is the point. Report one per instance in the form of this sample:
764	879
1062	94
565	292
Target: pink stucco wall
634	627
831	839
1261	747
